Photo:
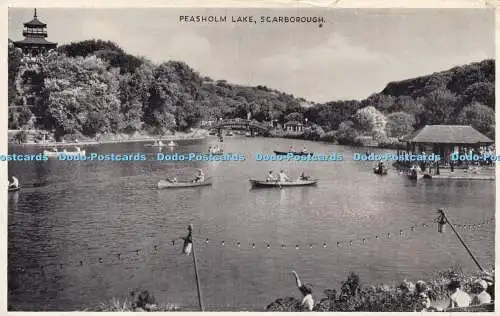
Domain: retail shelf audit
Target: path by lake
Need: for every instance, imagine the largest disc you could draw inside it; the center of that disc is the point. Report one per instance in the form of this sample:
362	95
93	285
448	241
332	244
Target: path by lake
101	213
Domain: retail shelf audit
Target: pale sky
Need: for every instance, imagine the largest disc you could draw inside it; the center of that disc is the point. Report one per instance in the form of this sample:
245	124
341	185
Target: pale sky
356	52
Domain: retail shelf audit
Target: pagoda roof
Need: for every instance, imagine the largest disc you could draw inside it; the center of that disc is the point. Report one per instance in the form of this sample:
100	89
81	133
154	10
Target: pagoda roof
36	23
35	40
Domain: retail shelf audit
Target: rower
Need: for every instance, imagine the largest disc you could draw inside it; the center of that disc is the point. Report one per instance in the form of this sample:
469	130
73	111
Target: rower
283	177
303	177
304	150
380	166
270	176
200	177
172	179
15	183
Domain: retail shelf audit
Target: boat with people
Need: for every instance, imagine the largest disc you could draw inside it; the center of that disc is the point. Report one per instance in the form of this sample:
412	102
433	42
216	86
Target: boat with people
229	133
280	184
55	152
164	184
295	153
14	185
215	150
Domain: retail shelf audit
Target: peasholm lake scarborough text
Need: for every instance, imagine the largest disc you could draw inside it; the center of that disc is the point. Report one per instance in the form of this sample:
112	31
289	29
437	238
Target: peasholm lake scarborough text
260	19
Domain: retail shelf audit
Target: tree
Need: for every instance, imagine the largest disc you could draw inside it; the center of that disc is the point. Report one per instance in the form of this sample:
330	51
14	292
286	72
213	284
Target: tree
294	116
347	133
399	124
479	116
370	121
438	107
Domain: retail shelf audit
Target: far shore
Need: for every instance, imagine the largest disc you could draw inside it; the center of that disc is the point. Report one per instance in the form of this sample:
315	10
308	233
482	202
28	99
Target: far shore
115	139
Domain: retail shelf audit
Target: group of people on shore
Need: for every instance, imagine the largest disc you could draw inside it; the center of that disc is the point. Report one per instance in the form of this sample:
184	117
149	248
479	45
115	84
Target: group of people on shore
481	293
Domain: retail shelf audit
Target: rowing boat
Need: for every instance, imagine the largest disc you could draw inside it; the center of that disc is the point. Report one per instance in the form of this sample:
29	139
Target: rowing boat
14	189
51	153
283	153
163	184
277	184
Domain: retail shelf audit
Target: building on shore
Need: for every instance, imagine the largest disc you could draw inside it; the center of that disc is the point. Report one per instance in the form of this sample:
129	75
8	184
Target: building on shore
294	127
443	140
34	42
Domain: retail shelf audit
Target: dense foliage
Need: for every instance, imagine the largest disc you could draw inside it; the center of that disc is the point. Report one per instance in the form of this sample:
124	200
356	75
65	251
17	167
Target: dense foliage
93	87
352	296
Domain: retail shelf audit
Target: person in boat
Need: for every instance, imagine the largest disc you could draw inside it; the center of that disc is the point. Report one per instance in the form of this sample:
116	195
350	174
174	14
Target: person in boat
306	290
172	179
283	177
304	150
270	176
14	184
303	177
380	166
200	177
290	149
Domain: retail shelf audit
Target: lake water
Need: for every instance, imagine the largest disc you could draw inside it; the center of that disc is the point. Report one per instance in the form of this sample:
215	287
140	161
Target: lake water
93	211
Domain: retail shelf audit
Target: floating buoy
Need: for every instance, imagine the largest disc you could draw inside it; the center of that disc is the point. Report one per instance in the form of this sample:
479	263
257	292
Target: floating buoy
376	237
268	246
296	246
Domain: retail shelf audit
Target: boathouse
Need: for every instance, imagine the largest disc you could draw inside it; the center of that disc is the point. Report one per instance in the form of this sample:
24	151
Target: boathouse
446	139
294	127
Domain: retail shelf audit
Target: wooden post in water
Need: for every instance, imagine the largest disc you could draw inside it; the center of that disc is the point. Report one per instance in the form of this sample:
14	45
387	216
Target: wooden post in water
200	300
441	212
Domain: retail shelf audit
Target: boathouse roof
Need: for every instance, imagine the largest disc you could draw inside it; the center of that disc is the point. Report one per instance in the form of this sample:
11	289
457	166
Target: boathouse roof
293	123
447	134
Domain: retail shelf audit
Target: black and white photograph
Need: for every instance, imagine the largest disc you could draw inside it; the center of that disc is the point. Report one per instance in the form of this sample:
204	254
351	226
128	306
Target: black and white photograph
250	159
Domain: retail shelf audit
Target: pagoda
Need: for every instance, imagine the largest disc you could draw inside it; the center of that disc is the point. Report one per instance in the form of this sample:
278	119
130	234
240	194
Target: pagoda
34	42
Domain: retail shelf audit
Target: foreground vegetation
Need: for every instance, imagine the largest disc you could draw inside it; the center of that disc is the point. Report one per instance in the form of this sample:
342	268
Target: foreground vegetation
93	87
351	296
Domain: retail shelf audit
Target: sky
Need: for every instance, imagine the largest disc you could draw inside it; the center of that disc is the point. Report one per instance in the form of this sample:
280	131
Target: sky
354	54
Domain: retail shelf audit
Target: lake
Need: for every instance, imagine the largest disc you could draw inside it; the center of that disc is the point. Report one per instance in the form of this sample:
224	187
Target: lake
109	216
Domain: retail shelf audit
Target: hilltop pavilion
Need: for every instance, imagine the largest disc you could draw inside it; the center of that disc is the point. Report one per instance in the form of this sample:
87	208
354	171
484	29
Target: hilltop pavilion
34	42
